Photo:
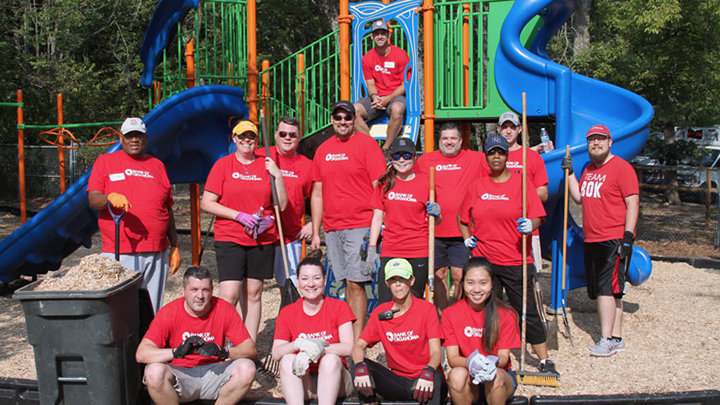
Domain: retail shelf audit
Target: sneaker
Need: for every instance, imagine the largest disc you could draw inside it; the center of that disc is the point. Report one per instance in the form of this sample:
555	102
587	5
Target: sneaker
547	366
619	346
603	348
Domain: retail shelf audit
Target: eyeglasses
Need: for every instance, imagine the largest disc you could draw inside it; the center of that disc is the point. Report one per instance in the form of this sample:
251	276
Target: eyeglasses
599	138
500	151
338	117
247	135
283	134
404	155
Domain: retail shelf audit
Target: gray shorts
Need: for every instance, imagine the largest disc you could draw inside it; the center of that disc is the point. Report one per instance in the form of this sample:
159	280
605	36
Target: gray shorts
154	267
373	112
202	382
343	250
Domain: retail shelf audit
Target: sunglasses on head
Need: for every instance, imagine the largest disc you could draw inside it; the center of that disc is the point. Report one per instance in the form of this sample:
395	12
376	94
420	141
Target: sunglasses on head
500	151
404	155
247	135
339	117
283	134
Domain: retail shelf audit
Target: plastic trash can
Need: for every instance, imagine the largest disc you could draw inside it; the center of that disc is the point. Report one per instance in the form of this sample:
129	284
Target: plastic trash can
84	343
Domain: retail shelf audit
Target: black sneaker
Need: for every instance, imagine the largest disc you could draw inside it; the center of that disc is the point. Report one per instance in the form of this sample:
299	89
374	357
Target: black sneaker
548	366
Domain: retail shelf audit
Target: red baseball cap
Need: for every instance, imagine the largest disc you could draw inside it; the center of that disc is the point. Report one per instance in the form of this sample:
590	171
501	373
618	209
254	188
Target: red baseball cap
598	130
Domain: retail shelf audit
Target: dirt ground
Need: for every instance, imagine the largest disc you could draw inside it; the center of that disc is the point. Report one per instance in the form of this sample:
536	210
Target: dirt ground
670	328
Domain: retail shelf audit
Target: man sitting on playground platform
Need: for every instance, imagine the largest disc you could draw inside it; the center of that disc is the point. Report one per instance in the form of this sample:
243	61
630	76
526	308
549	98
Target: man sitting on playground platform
197	347
383	69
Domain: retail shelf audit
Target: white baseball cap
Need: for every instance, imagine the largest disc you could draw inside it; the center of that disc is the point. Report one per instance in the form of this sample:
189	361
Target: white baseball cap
133	125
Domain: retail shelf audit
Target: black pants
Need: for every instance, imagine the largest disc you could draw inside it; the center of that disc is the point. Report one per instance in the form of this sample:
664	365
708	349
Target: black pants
510	278
393	387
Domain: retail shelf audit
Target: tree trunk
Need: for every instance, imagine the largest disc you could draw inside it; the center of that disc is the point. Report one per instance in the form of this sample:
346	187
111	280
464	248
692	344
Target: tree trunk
672	195
581	25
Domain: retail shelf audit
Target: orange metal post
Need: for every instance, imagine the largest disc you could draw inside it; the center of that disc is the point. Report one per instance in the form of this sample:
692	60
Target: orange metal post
344	21
252	61
301	93
195	223
190	63
264	89
61	141
429	76
21	160
466	72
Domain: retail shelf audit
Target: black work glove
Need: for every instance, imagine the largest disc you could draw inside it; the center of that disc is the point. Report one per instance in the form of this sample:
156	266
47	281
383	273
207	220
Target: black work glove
567	163
189	346
626	245
210	349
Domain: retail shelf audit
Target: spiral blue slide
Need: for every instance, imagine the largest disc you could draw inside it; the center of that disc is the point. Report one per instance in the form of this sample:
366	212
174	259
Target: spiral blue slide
576	102
188	132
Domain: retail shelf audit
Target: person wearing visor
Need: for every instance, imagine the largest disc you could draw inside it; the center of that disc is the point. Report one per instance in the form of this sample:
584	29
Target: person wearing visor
610	197
491	222
238	193
137	184
401	200
409	330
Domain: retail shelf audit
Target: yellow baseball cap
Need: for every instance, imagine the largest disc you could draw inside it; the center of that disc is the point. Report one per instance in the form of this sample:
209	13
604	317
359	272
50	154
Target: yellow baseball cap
398	268
243	127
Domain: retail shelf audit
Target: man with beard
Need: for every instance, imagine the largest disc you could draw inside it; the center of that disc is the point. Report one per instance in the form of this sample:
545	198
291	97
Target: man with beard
455	170
609	194
345	171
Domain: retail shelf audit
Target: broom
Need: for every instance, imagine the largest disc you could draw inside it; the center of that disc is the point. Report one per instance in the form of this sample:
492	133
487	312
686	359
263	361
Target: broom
527	377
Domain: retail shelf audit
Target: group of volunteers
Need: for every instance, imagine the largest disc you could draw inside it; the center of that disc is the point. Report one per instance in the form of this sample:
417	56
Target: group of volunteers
204	347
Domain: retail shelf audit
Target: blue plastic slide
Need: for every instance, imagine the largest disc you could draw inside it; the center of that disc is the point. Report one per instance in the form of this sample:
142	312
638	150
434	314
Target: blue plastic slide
576	102
188	132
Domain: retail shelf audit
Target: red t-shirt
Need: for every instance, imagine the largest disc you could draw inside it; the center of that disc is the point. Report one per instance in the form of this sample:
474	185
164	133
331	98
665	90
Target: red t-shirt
346	170
405	338
406	222
463	327
603	191
492	209
386	71
145	184
172	325
293	323
453	177
244	188
297	176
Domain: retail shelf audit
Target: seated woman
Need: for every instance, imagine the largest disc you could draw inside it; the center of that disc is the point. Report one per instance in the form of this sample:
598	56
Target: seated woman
478	331
312	338
409	330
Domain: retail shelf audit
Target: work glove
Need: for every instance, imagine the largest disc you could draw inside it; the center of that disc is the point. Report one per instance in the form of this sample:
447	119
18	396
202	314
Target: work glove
424	385
524	225
481	368
372	262
249	221
626	245
118	200
362	380
567	164
314	348
264	223
175	259
300	364
210	349
433	209
471	242
364	246
189	346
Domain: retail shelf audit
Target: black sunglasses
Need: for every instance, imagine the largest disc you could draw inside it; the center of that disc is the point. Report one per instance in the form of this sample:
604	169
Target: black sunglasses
283	134
500	151
404	155
246	135
339	117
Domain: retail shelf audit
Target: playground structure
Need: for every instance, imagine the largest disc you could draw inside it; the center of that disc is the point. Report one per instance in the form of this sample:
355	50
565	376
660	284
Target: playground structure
483	55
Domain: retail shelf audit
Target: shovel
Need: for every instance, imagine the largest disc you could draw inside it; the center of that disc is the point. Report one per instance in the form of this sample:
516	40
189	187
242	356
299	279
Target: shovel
116	218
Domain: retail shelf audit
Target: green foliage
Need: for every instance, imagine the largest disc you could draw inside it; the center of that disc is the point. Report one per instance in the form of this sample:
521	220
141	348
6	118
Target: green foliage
671	154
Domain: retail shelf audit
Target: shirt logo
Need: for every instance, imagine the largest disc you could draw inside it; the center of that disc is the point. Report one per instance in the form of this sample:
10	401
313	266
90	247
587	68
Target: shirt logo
382	70
401	336
246	177
473	332
591	185
204	335
393	196
513	165
451	166
138	173
316	335
117	176
493	197
330	157
289	173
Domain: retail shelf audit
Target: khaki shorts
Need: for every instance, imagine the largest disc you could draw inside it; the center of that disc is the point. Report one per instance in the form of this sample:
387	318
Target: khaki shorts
346	385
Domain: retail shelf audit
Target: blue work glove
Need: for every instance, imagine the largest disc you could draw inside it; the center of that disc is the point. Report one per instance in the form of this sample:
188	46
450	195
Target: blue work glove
471	242
567	164
433	209
626	245
524	225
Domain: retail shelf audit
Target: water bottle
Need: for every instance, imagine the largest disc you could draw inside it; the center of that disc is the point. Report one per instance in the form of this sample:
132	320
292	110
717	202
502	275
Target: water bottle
547	144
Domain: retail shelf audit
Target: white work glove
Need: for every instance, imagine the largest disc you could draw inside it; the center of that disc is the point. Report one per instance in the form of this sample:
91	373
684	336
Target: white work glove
481	368
524	225
300	364
314	348
471	242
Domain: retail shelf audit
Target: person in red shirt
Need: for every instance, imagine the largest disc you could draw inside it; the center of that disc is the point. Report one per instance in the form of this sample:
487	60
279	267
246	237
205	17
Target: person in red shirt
455	170
238	193
384	72
312	338
197	347
490	219
410	333
401	200
345	171
610	198
137	183
478	333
